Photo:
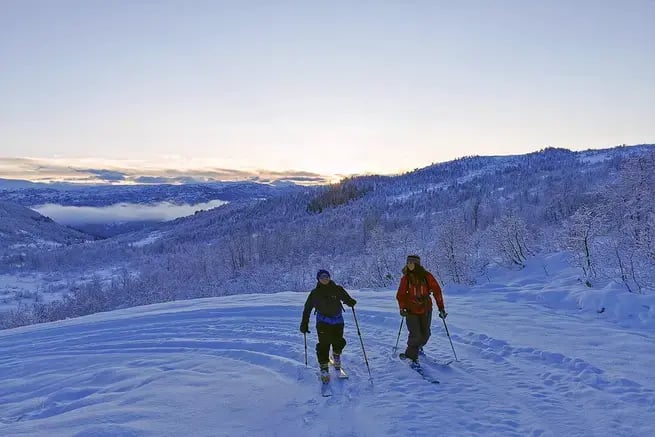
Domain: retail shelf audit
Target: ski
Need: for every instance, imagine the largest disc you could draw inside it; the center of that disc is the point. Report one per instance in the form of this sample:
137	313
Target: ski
418	369
342	373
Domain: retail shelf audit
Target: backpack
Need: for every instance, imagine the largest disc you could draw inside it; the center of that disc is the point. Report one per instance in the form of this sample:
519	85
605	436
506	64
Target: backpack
418	303
328	303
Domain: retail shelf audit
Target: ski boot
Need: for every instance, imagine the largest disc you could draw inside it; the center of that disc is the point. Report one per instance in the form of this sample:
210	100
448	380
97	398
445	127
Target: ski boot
325	374
414	364
336	360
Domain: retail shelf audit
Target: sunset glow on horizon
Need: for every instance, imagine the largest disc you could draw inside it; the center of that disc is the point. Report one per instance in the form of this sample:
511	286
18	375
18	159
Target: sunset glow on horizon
316	90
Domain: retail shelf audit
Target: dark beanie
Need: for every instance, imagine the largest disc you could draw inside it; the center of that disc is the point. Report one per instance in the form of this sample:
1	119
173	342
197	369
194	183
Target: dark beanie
414	259
322	272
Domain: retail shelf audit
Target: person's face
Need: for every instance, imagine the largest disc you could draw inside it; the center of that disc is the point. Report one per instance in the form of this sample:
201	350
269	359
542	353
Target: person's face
411	266
324	279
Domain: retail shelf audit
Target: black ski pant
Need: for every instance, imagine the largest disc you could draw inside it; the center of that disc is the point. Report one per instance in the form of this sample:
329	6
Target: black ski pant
418	326
329	335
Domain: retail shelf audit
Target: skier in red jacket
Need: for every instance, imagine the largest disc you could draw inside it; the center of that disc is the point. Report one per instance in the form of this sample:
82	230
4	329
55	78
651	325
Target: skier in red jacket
416	306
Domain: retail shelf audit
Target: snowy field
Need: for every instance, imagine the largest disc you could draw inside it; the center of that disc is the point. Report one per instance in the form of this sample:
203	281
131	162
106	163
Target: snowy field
29	288
234	366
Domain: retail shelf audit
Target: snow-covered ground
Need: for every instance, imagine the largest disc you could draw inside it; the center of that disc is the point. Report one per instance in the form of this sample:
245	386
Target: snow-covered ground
151	238
235	366
17	288
29	288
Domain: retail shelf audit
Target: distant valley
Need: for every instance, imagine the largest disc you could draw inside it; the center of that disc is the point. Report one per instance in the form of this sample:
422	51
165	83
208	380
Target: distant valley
595	208
108	210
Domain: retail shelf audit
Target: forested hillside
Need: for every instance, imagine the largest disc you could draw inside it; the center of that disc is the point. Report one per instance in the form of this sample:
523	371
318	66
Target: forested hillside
461	217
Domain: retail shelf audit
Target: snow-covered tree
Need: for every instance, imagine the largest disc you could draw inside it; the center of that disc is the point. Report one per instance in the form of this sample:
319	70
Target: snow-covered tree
455	251
633	241
510	240
579	236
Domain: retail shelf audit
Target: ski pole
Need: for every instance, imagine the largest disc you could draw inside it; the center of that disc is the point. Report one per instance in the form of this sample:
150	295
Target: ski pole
305	335
451	342
362	342
395	348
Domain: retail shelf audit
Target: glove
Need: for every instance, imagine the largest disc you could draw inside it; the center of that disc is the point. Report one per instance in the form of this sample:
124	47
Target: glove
304	328
352	304
403	312
443	314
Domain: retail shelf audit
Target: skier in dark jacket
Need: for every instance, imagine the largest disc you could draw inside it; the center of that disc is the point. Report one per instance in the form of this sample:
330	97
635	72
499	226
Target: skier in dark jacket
415	305
326	299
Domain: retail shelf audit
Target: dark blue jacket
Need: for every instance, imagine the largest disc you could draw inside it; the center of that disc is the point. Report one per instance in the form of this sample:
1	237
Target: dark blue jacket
327	298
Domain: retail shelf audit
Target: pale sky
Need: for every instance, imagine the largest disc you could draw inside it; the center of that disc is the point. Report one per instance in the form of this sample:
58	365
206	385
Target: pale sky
333	87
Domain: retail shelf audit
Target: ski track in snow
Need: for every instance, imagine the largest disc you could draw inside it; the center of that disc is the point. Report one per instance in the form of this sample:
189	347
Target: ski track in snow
234	366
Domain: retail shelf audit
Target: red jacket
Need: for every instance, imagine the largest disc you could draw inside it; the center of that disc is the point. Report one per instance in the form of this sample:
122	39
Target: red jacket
416	297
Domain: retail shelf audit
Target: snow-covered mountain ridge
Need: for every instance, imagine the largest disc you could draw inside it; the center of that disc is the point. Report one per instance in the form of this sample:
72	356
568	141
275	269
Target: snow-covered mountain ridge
32	194
21	229
463	217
